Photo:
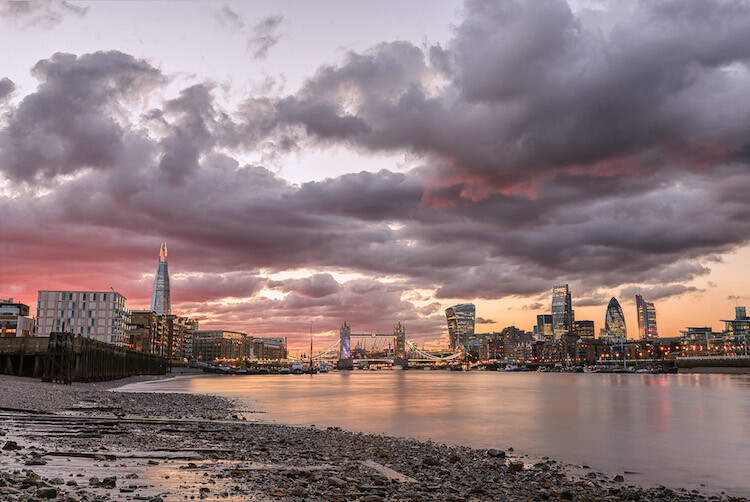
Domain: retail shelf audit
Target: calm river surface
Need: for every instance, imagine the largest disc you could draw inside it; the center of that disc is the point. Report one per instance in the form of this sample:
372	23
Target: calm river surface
677	430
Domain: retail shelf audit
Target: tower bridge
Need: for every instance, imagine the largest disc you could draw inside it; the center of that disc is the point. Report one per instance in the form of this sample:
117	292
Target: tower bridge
403	348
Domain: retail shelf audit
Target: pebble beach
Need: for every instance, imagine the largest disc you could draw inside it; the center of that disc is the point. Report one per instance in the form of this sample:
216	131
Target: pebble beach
84	442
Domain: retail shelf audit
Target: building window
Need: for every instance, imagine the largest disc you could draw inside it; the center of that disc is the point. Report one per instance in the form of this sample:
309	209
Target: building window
92	321
70	296
93	296
88	331
84	297
104	297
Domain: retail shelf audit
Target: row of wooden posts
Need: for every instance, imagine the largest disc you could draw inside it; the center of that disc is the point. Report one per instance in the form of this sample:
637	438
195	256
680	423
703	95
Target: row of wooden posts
66	358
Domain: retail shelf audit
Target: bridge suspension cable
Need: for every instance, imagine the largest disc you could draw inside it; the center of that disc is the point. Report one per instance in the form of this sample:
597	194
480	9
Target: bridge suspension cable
432	357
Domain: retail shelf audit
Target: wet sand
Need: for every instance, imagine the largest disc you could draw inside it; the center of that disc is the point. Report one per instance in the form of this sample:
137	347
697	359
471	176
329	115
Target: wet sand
84	442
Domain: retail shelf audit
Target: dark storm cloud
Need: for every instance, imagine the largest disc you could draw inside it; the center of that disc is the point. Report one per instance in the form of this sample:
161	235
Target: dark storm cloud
43	14
548	151
482	320
264	36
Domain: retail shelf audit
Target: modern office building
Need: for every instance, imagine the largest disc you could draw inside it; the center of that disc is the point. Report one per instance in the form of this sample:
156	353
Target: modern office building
543	329
14	319
562	311
646	318
100	315
583	329
161	300
461	320
614	321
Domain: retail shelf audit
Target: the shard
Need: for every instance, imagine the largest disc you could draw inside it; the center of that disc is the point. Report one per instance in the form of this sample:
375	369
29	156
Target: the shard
161	300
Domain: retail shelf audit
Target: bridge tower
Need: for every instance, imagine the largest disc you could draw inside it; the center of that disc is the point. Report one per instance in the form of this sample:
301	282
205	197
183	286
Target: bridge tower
345	353
399	352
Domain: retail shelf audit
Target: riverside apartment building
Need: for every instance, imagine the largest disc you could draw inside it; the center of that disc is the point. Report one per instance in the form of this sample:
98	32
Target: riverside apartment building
100	315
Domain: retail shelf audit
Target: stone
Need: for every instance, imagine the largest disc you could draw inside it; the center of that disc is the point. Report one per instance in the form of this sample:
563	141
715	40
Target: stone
618	479
11	445
371	498
454	458
430	461
515	466
495	453
566	495
109	482
337	482
47	493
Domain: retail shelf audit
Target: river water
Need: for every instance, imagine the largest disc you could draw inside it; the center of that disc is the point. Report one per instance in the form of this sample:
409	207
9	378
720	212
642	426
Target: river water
684	430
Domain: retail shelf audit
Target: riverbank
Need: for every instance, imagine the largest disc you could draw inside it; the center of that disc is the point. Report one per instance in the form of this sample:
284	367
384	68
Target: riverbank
83	442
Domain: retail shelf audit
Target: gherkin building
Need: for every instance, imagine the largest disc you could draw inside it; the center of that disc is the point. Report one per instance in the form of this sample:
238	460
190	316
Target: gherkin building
614	322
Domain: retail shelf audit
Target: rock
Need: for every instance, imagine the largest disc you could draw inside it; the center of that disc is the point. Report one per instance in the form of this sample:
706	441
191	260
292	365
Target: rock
566	495
515	466
11	445
454	458
94	481
109	482
35	461
430	461
618	479
57	481
47	493
371	498
494	453
71	483
337	482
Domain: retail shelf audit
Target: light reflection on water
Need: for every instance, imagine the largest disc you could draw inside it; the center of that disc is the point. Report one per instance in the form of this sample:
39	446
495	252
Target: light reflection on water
677	430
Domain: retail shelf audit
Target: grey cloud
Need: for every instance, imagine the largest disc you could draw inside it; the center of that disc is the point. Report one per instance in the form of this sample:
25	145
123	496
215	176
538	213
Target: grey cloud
39	13
68	124
482	320
229	17
608	159
6	88
264	36
658	292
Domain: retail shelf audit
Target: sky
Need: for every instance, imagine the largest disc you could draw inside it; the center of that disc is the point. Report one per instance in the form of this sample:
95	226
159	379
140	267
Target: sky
316	162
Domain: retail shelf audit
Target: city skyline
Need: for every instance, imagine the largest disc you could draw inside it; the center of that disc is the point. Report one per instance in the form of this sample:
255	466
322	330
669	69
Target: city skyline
305	168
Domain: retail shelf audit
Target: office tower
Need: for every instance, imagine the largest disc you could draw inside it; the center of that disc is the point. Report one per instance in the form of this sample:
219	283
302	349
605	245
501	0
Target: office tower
562	311
646	318
614	320
583	329
161	300
100	315
460	324
543	327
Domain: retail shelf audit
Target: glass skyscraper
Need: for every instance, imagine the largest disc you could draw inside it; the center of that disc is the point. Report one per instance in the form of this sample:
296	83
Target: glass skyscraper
646	318
460	324
614	321
161	300
562	311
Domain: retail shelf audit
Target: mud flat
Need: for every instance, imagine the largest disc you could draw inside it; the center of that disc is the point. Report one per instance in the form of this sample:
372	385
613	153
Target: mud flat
83	442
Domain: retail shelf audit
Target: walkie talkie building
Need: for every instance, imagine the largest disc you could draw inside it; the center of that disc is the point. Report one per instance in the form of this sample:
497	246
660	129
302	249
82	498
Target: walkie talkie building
161	300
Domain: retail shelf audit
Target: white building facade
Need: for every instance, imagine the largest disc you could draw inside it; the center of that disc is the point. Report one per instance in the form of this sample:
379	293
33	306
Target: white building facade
100	315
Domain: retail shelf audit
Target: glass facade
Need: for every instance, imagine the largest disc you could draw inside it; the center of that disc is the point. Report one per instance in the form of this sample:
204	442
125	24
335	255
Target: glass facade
460	324
562	311
161	300
646	318
614	321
